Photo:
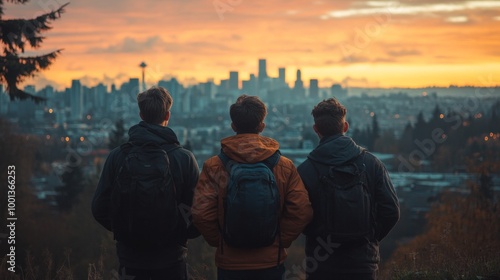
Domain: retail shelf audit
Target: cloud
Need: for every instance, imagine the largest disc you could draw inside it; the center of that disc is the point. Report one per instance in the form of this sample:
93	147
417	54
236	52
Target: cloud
40	81
403	52
357	82
353	59
131	45
395	8
383	60
457	19
73	67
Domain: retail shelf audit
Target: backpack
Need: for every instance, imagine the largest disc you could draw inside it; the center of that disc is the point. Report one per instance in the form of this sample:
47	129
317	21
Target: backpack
251	204
346	201
144	203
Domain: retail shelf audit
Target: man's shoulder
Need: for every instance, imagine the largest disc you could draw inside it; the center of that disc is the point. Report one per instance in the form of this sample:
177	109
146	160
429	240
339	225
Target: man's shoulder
370	159
286	163
306	164
178	149
116	154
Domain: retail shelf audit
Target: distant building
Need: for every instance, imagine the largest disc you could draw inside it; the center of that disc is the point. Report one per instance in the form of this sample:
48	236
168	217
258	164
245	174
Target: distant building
313	88
175	88
282	77
100	92
133	87
337	91
76	100
298	88
234	81
47	92
262	72
250	86
27	106
208	88
224	86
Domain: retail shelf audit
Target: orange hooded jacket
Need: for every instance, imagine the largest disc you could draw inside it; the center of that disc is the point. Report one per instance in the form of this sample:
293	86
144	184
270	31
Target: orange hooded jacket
208	210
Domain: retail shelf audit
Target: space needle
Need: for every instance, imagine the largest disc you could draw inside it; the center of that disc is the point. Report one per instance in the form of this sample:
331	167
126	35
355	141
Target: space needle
143	66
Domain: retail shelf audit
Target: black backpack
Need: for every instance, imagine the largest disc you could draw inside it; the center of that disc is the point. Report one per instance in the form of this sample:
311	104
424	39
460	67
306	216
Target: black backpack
144	202
252	203
346	201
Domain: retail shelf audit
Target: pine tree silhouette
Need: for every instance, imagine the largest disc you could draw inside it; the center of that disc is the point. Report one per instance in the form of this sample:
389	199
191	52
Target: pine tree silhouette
118	135
15	36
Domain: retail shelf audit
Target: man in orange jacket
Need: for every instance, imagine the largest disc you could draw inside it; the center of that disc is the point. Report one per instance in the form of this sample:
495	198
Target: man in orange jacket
295	212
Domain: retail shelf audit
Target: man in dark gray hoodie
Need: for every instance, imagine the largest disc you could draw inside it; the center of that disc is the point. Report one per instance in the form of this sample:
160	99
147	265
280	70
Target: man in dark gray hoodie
346	257
167	259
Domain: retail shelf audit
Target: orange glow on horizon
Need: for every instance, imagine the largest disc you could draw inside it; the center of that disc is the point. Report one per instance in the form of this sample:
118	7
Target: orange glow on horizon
353	42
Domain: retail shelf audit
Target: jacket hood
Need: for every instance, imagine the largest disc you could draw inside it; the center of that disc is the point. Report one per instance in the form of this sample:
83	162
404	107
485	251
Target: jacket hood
249	148
335	150
145	132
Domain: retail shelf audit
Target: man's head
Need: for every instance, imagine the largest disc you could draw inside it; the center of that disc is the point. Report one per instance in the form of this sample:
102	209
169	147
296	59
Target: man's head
329	118
248	114
154	105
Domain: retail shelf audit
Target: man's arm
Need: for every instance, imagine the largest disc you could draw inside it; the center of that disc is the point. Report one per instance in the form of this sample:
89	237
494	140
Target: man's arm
386	202
205	203
297	210
191	175
101	204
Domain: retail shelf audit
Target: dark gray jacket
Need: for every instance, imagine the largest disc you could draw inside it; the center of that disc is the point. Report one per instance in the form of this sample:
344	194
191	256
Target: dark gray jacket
358	257
185	171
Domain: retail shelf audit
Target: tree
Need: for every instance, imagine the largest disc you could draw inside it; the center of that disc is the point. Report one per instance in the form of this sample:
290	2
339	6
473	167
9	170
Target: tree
117	136
406	140
374	133
460	240
15	35
67	194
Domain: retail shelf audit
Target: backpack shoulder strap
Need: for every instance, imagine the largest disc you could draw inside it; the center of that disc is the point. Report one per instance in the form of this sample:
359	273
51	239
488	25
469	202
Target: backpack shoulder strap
126	147
168	147
226	161
273	160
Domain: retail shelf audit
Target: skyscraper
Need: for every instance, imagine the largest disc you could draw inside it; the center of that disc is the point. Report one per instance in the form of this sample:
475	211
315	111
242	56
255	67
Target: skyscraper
262	71
234	81
76	100
299	85
175	88
27	107
313	88
281	75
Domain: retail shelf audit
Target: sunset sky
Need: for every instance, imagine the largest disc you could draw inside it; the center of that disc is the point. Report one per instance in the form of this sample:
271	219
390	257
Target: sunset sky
411	43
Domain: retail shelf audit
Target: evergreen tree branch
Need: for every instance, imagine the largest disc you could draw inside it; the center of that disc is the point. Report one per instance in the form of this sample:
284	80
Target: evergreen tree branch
15	33
15	70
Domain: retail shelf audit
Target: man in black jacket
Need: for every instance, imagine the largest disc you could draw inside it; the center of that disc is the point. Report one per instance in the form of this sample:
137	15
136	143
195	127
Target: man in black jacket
358	258
167	261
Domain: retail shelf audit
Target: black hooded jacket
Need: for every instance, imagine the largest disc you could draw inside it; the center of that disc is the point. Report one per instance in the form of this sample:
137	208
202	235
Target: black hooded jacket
185	171
360	257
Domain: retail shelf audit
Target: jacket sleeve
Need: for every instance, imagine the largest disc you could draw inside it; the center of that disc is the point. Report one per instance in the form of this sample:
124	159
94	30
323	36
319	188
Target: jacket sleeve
205	203
386	202
297	210
101	203
191	175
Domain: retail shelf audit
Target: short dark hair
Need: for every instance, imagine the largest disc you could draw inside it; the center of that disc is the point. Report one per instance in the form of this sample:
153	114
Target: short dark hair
154	104
329	117
247	113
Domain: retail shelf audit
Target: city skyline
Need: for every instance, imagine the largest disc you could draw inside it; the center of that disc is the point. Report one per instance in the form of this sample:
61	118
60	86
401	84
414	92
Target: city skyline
358	43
